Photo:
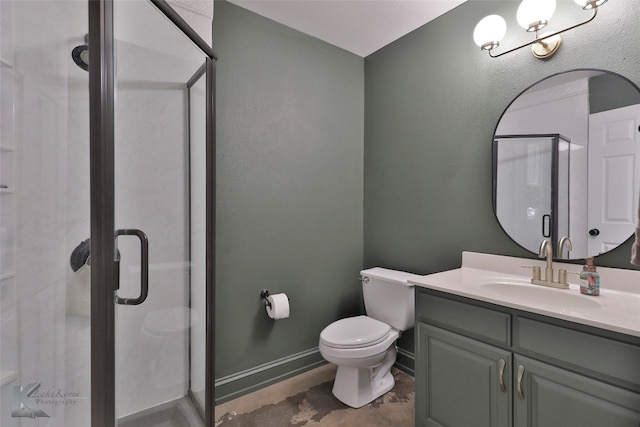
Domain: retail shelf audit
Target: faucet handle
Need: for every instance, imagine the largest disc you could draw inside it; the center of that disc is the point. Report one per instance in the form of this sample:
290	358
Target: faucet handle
535	275
562	276
566	274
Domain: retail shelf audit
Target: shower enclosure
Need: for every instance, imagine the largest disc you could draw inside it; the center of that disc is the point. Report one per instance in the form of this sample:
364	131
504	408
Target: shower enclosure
106	215
531	187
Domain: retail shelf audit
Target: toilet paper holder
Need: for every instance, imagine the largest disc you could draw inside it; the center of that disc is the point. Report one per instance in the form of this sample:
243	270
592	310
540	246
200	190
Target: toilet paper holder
265	294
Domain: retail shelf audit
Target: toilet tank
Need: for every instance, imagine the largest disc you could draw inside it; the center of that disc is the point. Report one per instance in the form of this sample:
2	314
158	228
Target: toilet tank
388	297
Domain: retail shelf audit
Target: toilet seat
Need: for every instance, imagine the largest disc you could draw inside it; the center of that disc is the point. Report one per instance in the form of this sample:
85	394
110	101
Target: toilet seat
373	350
357	337
354	332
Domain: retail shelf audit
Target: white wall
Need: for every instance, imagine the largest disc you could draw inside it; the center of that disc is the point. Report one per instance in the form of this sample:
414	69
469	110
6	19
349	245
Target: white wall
48	201
556	109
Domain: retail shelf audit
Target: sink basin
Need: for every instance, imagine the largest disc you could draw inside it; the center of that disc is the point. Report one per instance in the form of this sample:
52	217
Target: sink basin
528	293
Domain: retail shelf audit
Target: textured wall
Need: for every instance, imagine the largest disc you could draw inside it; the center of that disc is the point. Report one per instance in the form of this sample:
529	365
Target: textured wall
609	92
290	113
432	101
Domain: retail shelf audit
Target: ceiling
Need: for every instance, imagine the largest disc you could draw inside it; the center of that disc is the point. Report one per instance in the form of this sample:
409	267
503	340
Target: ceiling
358	26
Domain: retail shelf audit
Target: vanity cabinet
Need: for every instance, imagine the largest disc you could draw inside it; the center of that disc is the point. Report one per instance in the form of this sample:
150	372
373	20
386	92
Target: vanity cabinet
480	364
552	396
460	381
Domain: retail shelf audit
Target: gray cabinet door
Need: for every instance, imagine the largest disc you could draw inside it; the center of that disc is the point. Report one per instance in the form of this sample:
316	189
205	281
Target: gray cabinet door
556	397
459	381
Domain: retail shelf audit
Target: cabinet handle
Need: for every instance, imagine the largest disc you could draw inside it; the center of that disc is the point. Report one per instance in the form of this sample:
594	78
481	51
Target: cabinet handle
501	365
519	386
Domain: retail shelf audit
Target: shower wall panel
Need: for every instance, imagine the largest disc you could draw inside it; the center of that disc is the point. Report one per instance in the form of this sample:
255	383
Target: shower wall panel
44	341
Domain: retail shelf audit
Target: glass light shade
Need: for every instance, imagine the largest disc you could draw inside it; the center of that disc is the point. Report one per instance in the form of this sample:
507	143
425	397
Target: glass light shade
490	29
531	12
590	4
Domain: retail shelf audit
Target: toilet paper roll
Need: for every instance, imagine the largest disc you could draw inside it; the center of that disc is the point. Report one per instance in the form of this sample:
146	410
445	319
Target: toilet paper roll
279	308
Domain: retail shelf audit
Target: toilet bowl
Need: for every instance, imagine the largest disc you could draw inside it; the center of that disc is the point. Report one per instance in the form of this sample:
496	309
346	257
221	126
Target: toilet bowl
364	362
364	347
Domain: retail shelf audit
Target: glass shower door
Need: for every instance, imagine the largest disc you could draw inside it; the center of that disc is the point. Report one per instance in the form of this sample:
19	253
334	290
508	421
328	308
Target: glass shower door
524	188
531	187
59	265
159	171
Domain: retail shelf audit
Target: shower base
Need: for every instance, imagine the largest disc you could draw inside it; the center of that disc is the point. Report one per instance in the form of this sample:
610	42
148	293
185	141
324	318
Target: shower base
178	413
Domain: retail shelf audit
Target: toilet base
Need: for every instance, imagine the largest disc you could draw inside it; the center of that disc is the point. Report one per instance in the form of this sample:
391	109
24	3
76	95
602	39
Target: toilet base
357	387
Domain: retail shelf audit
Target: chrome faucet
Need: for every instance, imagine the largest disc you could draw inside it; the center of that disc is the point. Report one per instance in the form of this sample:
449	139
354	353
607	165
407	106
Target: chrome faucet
546	249
564	242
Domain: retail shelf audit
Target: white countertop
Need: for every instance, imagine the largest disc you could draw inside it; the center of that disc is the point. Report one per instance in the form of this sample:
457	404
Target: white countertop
484	277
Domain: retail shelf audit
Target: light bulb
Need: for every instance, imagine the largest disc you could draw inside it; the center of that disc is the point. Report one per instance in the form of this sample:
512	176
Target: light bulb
590	4
490	31
533	15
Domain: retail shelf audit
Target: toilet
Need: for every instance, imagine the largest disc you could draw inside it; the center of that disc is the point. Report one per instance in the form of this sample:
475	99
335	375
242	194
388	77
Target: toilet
364	347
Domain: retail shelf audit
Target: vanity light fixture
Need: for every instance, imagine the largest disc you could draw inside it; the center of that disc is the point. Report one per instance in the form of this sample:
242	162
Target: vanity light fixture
532	15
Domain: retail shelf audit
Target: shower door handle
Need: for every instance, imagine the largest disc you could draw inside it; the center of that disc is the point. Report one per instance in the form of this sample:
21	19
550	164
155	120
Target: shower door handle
144	266
546	225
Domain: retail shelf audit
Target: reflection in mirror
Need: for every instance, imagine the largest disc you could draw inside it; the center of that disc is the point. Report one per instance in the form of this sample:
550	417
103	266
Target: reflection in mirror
566	162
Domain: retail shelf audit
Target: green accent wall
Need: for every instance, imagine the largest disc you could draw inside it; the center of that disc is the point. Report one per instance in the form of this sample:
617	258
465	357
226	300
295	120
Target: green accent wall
290	114
328	162
432	101
608	92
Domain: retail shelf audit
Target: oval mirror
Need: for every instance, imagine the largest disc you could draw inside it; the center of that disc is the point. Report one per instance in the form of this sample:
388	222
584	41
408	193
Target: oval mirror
566	162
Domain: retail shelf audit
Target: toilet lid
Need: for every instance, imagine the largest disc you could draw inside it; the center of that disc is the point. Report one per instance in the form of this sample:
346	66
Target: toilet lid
359	331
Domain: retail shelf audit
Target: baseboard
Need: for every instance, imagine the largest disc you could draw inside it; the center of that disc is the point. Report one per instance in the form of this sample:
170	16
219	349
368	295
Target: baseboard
406	361
245	382
241	383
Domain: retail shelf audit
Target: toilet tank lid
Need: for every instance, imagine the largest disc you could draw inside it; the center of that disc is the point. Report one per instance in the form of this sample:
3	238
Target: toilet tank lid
394	276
